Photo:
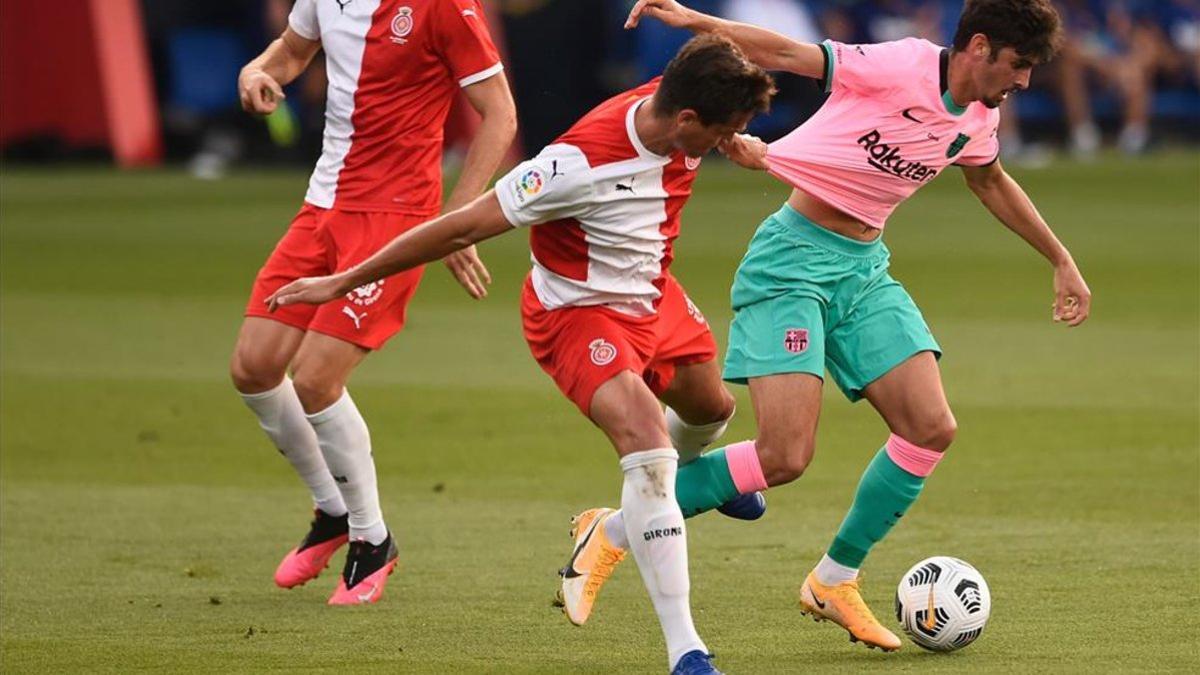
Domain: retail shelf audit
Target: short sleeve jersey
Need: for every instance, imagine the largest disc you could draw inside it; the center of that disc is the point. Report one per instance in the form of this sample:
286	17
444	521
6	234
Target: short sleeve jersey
889	127
394	68
603	210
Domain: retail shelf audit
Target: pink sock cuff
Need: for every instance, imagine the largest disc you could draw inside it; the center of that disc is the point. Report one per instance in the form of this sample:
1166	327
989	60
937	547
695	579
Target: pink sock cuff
912	458
744	468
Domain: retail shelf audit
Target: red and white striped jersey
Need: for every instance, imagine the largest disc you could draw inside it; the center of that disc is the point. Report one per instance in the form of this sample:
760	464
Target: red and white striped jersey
394	67
604	210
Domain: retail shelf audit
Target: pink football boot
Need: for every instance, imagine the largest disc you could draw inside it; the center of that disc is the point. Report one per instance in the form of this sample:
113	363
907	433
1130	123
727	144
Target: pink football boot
302	564
366	572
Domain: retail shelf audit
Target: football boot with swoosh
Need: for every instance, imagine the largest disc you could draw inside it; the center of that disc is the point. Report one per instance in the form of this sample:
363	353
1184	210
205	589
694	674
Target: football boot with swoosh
366	572
592	561
843	605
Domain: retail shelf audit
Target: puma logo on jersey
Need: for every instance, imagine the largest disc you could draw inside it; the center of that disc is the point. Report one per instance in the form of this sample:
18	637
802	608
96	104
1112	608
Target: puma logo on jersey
625	188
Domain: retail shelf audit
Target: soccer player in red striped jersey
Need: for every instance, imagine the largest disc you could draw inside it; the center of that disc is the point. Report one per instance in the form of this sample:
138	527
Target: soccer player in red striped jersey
394	69
602	313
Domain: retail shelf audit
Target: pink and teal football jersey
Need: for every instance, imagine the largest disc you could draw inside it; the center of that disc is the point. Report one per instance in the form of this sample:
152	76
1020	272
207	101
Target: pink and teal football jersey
889	127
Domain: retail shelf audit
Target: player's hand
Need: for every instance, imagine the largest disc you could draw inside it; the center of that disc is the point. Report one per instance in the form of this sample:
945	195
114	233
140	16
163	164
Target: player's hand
1072	298
745	150
309	290
259	92
667	11
470	271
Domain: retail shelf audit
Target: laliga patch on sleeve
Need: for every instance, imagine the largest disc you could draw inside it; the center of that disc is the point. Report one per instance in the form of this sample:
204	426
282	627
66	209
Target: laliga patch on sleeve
529	185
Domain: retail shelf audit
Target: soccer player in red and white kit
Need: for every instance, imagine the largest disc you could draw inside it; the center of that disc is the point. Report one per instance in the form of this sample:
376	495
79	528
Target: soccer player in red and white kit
602	313
394	68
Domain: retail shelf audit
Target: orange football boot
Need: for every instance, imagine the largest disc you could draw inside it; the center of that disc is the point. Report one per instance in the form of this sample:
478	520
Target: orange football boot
843	605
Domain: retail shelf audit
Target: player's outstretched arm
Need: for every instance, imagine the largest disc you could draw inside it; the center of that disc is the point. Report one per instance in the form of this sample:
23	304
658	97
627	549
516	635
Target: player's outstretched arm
764	47
261	82
1011	206
479	220
493	101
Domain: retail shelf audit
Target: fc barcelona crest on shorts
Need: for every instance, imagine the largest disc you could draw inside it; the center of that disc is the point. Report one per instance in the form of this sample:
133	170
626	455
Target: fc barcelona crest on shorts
795	340
957	146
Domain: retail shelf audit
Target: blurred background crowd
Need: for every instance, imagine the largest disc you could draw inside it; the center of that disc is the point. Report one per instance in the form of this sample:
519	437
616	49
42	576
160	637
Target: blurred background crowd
1127	77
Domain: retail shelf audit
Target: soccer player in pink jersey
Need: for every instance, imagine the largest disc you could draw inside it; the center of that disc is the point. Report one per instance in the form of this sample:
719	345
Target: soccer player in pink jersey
603	315
813	291
394	68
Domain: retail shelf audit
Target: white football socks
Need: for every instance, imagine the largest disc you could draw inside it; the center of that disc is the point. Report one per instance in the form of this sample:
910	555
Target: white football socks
656	534
280	415
614	529
831	572
346	444
691	440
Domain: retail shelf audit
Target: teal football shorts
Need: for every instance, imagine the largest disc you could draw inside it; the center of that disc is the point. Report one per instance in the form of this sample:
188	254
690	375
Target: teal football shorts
806	299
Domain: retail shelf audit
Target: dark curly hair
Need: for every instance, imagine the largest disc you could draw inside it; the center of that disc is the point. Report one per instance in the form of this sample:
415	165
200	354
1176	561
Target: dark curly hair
711	76
1031	27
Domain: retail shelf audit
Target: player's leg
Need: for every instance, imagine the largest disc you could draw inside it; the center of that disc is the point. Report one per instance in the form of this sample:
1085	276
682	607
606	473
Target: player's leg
911	400
776	346
686	376
322	367
260	359
629	414
699	408
592	355
259	371
340	335
265	347
885	352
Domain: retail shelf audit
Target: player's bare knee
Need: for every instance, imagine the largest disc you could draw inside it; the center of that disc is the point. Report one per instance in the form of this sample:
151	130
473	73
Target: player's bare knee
784	461
717	409
726	407
937	433
631	438
252	375
315	391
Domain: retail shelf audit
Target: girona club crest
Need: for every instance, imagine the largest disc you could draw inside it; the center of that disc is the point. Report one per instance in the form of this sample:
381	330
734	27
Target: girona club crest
795	340
603	351
692	163
402	25
367	294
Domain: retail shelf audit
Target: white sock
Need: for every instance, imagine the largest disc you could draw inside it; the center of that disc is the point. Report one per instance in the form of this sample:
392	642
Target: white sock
280	415
690	440
614	529
831	572
346	444
658	538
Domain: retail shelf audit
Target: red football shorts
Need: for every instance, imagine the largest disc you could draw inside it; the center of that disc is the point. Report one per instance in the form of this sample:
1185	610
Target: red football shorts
581	348
323	241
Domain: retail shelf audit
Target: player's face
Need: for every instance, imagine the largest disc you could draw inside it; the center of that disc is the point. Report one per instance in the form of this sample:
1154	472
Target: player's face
697	139
1006	74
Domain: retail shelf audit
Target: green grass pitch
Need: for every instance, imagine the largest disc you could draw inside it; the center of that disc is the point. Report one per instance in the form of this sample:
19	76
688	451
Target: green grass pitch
143	511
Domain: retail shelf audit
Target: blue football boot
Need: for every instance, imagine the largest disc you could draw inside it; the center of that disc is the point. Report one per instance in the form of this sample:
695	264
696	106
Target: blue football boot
695	662
750	506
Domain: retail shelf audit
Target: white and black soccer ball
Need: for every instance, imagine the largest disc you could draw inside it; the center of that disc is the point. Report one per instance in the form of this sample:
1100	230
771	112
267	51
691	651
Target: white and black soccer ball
943	603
